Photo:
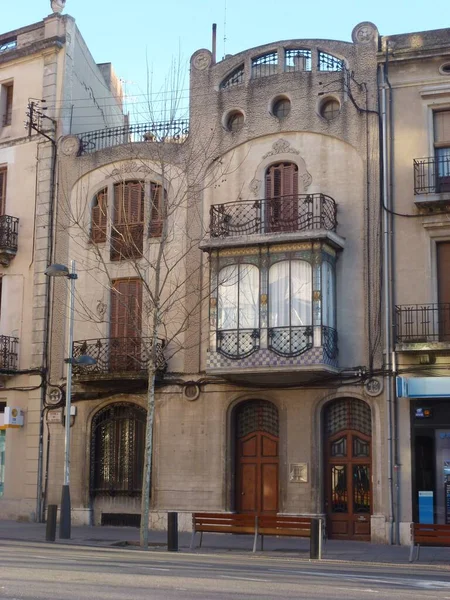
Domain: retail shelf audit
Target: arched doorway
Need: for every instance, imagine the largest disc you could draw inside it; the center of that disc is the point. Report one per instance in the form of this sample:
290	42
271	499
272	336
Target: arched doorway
348	469
256	442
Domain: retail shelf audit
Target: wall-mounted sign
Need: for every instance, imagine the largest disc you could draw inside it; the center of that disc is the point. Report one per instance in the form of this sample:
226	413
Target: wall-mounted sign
13	418
298	472
55	416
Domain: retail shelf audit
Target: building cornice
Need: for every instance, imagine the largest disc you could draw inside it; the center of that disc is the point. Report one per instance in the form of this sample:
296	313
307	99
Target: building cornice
56	42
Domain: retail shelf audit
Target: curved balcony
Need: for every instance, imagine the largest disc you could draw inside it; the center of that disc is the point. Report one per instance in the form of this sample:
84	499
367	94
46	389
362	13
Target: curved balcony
302	216
117	357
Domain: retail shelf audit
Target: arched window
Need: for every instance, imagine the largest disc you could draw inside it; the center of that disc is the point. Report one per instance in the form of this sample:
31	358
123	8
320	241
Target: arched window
99	216
290	307
117	450
238	310
282	197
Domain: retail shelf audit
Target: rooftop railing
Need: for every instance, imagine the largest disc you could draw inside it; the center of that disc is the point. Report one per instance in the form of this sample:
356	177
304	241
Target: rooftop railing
161	131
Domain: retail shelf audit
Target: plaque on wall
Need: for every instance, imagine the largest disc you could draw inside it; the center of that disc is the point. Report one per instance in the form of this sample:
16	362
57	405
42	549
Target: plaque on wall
298	472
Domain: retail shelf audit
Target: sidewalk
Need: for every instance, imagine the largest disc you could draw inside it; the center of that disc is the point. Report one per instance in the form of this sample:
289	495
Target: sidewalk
219	543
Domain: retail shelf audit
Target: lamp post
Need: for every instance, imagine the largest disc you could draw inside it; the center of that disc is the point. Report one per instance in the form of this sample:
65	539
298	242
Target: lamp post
57	270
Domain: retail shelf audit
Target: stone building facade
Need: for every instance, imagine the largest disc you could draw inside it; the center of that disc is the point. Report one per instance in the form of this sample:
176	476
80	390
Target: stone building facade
48	61
269	395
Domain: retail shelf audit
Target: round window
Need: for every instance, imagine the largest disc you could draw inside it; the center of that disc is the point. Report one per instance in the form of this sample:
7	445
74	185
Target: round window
281	108
445	69
235	121
330	109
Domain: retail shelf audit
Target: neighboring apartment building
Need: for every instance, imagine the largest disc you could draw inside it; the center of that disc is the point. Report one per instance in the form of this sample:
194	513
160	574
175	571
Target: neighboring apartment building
267	394
47	63
419	194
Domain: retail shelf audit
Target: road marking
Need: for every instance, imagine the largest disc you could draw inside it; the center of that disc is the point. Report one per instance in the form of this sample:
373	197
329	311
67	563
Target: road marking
244	578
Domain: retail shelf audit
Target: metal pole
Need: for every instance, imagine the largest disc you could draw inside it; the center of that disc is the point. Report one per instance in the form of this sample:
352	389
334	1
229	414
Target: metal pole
65	516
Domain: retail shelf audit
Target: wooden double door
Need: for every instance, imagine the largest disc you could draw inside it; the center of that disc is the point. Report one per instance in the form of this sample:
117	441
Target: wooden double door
348	470
257	458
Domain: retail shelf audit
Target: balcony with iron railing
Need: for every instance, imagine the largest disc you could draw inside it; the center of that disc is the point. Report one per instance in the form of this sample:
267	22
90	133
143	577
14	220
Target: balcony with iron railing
9	234
299	216
174	131
432	176
297	352
9	352
118	358
422	326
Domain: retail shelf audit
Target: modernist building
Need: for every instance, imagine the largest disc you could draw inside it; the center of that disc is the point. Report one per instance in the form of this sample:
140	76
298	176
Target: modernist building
49	80
268	397
418	95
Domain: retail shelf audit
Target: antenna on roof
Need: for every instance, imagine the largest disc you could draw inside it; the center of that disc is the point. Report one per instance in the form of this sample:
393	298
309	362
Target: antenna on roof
224	27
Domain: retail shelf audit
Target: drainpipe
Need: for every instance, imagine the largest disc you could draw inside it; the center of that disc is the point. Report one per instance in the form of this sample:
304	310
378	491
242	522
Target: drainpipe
392	295
387	299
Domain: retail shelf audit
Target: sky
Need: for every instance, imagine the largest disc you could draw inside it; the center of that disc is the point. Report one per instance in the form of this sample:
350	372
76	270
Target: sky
132	34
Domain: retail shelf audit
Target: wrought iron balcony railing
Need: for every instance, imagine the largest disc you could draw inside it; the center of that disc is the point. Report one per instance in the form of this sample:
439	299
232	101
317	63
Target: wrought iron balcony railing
9	234
285	214
119	355
432	175
288	342
9	347
415	323
160	131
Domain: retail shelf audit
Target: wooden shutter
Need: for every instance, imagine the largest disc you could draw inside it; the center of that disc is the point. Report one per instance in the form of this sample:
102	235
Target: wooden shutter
3	173
443	270
99	217
126	308
155	228
128	220
281	194
282	180
442	128
7	118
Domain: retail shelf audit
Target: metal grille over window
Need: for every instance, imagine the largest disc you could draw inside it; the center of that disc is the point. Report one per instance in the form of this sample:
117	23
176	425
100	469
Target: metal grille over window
265	65
328	62
298	60
234	78
348	414
117	450
257	415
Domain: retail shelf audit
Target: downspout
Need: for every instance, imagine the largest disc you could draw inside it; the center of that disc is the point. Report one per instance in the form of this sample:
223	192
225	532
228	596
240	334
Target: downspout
392	296
387	298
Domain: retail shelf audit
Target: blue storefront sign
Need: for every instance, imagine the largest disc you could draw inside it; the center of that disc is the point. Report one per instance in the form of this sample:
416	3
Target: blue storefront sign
426	508
423	387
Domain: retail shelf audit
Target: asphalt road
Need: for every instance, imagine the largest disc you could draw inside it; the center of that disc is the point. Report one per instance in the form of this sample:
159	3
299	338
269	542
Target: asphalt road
58	572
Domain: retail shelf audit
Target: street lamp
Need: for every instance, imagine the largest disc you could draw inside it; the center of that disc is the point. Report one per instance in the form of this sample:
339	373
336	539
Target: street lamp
57	270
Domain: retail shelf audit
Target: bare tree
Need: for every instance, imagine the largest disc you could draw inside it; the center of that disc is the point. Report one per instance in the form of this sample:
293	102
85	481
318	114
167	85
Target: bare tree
155	223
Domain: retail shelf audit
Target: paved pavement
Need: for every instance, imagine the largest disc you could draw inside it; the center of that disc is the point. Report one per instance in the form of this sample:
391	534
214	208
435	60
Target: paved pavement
334	550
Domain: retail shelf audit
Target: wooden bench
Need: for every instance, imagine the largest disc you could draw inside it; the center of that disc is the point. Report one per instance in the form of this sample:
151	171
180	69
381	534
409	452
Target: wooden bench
428	535
285	526
277	525
221	523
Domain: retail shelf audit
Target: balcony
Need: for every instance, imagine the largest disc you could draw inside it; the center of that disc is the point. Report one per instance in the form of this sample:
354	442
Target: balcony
118	358
262	355
422	327
260	221
175	131
9	347
432	178
9	234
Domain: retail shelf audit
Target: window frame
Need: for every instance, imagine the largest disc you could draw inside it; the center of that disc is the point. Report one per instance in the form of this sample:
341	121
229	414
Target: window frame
7	99
3	188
